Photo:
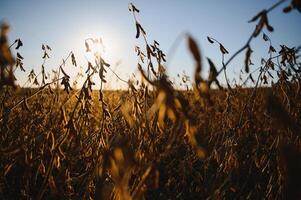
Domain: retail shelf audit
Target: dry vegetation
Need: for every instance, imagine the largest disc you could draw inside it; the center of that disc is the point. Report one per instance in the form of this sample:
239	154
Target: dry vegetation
153	141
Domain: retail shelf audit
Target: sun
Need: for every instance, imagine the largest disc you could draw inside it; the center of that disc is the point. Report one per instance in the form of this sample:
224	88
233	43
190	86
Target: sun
94	48
100	41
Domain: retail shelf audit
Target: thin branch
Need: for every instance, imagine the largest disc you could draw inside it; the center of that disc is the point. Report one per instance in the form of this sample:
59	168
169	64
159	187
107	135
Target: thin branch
117	75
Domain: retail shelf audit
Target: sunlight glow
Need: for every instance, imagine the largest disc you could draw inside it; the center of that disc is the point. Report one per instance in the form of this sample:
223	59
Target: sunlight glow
101	42
104	41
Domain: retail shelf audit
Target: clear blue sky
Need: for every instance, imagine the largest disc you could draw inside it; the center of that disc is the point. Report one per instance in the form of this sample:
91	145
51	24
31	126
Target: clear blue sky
64	24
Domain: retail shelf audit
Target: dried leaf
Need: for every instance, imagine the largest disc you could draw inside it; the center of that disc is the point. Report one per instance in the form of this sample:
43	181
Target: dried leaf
149	52
210	40
265	80
45	55
252	79
248	59
104	63
133	8
223	49
191	132
48	47
270	28
288	9
87	47
263	21
296	4
213	71
272	49
19	56
194	49
66	75
258	28
35	82
257	16
270	74
265	37
19	43
138	30
21	67
73	60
